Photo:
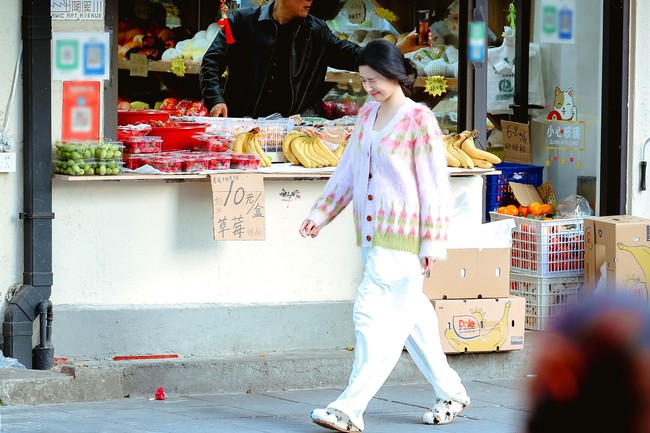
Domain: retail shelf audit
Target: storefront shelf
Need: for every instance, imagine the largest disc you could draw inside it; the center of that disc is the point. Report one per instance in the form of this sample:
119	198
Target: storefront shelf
192	68
339	77
290	173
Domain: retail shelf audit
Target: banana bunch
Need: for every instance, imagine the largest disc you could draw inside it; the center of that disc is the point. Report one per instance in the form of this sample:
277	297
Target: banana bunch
462	152
309	150
247	142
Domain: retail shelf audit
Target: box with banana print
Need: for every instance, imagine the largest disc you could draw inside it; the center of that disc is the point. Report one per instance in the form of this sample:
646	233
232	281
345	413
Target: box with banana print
481	325
617	254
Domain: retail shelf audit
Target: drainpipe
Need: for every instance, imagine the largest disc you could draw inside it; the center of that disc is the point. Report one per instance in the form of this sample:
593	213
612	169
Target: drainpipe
28	303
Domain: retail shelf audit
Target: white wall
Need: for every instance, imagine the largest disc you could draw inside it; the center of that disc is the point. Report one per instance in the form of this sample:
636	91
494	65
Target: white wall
638	202
11	241
152	243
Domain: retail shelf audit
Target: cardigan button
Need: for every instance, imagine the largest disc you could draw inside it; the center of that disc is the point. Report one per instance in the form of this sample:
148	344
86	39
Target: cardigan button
368	238
369	175
369	218
370	197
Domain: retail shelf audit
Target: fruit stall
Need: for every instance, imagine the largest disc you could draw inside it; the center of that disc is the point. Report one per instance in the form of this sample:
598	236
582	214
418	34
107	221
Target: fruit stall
184	209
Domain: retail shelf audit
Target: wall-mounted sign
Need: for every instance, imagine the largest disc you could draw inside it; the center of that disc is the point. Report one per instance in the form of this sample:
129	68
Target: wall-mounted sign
77	9
80	117
239	207
477	41
78	56
558	21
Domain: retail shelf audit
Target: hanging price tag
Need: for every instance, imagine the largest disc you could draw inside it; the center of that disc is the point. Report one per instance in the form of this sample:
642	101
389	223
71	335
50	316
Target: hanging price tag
178	66
138	65
356	11
516	142
239	207
436	85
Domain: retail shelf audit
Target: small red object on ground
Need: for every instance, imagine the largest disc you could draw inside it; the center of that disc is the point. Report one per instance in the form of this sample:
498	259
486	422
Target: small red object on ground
160	394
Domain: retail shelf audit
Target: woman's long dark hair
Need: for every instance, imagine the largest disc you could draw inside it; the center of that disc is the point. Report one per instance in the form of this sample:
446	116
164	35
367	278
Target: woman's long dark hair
385	58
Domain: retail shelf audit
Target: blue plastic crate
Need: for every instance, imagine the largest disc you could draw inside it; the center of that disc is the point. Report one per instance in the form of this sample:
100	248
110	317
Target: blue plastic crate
498	192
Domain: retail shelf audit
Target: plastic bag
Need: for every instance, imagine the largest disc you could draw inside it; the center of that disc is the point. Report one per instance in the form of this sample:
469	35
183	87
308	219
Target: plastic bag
501	75
9	362
574	206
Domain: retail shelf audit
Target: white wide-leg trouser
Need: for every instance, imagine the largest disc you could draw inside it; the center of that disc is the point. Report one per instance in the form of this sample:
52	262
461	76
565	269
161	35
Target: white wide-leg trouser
390	312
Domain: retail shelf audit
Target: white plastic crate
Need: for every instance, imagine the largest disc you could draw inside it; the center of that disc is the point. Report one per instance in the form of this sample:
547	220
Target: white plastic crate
546	298
548	248
271	134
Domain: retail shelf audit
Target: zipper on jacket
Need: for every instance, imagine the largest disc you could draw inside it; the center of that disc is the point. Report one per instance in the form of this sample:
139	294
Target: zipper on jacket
266	75
311	77
293	93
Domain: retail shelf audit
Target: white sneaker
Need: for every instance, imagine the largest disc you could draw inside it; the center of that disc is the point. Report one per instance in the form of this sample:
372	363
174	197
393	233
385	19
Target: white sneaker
333	419
443	411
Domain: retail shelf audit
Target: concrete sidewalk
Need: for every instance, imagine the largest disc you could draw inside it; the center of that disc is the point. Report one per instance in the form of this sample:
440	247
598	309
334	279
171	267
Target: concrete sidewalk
85	381
498	406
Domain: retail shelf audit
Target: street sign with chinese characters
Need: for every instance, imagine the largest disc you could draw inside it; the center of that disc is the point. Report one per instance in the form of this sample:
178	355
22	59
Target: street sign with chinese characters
563	135
239	207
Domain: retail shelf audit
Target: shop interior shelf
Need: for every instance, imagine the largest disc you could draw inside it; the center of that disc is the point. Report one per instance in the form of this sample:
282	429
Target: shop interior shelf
340	77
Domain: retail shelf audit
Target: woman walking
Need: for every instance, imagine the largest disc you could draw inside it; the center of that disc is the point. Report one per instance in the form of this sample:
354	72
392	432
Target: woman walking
394	170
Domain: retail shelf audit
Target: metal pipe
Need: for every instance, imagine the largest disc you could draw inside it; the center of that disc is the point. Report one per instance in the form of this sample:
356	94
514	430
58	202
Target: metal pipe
21	311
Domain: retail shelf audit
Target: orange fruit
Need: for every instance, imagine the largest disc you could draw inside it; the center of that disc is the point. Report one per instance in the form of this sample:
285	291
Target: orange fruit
523	211
513	210
535	208
502	210
547	208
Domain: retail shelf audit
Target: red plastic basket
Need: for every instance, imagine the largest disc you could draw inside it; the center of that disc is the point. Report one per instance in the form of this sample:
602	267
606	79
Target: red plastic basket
179	136
130	117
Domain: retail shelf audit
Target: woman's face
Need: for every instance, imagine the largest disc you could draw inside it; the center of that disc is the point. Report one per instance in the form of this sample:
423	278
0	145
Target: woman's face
376	85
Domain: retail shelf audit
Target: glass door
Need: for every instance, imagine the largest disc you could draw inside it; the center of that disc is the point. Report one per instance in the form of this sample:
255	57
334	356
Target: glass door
576	70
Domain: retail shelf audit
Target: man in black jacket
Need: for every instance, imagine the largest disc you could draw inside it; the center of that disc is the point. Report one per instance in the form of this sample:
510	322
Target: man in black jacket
277	63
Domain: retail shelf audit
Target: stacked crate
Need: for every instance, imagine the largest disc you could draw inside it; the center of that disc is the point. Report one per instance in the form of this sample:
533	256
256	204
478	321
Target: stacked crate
547	266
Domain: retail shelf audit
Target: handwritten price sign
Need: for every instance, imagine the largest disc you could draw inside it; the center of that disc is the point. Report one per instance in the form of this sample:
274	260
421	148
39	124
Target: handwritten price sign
139	66
516	142
356	12
436	85
239	207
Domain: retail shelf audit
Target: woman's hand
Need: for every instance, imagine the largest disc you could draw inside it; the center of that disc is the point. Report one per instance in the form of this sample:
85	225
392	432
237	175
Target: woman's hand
308	228
427	265
219	110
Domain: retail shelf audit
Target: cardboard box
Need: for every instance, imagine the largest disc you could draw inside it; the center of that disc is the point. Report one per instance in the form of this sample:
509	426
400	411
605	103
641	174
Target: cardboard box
470	273
481	325
622	244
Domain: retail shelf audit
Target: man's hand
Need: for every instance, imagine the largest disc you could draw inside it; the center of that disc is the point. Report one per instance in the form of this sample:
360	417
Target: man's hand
219	110
409	43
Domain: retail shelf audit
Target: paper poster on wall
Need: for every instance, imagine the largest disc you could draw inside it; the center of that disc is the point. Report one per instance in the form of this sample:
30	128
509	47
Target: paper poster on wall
238	207
558	21
77	9
79	56
80	116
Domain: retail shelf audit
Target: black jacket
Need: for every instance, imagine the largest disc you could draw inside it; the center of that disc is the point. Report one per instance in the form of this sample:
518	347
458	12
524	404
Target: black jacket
314	48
